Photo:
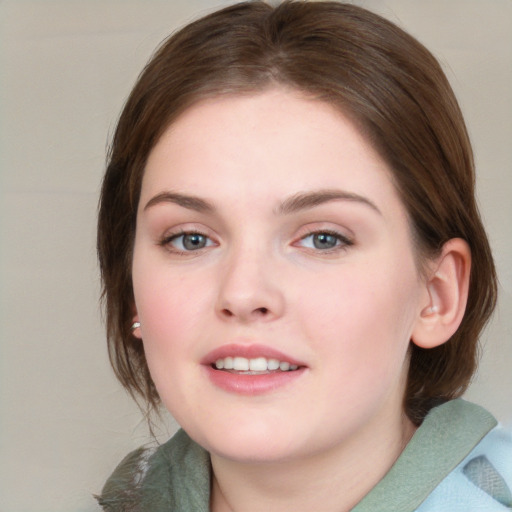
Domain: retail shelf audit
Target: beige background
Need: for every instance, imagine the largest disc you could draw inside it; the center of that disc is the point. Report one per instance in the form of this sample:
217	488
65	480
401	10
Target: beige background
65	70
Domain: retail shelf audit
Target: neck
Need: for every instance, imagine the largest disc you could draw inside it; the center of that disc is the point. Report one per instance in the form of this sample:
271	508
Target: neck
337	478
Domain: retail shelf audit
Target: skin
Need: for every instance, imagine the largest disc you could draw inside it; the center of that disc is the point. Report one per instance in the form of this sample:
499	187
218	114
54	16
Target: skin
346	313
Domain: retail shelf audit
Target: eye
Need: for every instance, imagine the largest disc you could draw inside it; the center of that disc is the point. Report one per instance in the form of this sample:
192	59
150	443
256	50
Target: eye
187	242
324	241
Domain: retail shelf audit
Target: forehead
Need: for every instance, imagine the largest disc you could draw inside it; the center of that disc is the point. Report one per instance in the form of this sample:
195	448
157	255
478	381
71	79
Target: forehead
268	139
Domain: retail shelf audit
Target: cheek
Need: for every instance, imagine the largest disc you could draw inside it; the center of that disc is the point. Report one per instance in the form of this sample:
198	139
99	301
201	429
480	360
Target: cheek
171	318
167	303
362	315
168	313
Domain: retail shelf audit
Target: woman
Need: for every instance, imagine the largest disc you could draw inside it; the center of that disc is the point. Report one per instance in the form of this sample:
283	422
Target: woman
294	264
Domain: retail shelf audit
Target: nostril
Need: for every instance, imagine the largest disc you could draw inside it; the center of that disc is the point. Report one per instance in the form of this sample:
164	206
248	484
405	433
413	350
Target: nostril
245	313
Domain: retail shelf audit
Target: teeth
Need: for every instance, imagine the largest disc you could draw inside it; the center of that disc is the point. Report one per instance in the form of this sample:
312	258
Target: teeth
272	364
259	364
240	364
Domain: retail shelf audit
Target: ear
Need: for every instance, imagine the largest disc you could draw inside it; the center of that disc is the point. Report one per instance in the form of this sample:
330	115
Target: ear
136	324
446	298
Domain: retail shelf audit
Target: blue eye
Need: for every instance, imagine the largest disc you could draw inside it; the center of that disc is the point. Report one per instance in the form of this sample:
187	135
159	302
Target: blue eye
186	242
324	241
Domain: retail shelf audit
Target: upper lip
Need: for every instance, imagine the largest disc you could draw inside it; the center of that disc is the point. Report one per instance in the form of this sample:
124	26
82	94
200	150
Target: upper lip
251	351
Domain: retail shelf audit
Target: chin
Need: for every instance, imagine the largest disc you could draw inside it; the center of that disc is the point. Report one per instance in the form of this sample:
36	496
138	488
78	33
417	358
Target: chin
256	454
260	442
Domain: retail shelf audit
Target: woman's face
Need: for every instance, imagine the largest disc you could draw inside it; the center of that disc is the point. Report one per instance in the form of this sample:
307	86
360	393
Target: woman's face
269	235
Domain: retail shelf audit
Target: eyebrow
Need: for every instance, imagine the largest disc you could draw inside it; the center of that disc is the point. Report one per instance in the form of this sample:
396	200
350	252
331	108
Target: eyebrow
306	200
186	201
298	202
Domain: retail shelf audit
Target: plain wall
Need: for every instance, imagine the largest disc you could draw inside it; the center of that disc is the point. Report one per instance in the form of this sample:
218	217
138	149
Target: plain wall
66	68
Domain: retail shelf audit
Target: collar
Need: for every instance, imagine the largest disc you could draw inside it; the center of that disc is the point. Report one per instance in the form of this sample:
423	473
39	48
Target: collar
448	433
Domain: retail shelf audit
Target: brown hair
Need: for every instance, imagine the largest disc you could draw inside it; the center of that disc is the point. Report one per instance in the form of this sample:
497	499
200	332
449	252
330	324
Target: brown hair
358	62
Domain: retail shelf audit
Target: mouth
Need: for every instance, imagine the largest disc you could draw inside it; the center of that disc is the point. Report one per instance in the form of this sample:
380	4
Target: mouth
251	369
253	366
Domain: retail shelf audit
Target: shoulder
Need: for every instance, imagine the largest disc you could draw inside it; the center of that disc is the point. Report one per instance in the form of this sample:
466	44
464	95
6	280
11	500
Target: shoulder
482	481
173	476
122	489
438	469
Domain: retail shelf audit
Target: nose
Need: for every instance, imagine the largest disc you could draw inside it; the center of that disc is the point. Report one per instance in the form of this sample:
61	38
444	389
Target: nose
249	289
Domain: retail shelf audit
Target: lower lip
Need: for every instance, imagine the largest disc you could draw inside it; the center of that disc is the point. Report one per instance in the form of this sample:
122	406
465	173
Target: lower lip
243	384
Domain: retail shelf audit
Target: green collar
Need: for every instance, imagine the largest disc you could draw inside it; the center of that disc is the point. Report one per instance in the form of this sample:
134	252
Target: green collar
446	436
177	475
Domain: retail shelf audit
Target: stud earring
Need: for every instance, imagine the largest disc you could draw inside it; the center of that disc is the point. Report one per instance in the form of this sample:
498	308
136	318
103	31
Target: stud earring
432	310
135	325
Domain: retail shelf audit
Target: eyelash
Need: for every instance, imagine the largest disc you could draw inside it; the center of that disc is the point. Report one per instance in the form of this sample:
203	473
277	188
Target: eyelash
167	241
342	242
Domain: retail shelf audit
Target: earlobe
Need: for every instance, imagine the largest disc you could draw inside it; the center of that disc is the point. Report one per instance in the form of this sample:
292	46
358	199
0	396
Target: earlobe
447	287
135	327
